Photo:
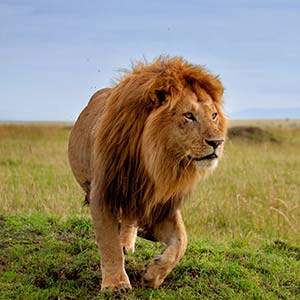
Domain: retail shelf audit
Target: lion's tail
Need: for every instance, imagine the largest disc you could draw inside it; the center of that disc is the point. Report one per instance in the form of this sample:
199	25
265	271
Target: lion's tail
87	188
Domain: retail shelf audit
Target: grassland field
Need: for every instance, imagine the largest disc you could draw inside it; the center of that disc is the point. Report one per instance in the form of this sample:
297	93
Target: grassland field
243	221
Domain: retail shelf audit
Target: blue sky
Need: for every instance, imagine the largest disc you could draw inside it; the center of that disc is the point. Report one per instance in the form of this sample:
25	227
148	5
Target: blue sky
55	54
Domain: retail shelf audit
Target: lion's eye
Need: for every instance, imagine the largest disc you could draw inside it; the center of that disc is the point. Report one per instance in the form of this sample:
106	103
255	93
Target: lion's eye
214	116
189	116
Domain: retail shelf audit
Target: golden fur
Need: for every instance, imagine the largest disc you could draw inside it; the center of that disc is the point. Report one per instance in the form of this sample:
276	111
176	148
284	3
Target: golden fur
137	148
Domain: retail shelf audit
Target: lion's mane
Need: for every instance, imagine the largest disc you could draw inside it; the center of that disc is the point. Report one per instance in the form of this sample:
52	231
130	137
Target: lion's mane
121	179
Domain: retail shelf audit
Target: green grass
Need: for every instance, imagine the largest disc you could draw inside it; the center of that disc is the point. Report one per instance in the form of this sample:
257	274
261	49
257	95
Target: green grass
45	258
243	223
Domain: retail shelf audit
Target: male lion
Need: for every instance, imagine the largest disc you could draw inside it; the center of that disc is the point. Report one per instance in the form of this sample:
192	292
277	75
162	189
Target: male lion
137	150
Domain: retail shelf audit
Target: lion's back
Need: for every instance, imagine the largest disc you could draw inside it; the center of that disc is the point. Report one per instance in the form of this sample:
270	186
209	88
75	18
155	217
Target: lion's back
81	137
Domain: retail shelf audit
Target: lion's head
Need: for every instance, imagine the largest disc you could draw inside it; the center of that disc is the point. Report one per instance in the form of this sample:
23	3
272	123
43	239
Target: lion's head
162	128
186	132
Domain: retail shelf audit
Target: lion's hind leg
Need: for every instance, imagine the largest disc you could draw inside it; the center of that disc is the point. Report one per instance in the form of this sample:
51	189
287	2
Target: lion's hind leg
170	231
128	233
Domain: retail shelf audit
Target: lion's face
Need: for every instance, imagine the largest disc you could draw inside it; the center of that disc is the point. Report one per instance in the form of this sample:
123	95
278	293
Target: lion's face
190	132
198	129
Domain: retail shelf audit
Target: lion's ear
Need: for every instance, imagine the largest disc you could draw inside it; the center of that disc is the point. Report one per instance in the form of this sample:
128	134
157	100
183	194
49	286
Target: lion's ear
159	97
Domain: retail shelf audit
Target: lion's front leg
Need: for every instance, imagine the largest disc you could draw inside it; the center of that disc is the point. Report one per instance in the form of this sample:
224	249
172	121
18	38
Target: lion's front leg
172	232
106	228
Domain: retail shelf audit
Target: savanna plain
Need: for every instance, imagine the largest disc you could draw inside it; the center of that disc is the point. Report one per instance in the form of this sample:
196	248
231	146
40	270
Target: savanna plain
243	222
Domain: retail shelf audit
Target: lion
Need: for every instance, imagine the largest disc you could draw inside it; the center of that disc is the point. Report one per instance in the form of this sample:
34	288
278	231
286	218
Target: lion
137	150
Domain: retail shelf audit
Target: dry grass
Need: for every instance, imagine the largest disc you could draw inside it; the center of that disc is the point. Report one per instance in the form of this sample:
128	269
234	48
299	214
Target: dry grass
254	194
35	174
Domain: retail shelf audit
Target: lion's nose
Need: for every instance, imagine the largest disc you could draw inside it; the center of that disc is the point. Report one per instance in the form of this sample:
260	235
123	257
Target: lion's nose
214	143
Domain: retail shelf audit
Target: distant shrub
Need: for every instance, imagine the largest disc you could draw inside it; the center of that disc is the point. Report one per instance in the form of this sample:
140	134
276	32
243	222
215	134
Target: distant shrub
252	133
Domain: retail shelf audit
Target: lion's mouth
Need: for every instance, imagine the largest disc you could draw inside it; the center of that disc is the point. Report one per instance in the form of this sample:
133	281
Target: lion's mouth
207	157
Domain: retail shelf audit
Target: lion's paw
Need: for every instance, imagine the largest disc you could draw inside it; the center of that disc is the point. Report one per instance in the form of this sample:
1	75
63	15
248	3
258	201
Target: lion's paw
116	284
153	282
154	275
120	287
